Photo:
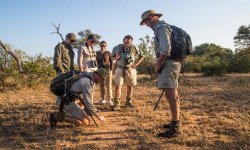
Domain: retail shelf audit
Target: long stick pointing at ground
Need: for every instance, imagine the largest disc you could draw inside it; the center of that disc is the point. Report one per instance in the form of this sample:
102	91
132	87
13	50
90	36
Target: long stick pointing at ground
159	99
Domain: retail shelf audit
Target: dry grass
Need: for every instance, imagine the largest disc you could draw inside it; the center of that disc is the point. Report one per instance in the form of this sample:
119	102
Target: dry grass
214	111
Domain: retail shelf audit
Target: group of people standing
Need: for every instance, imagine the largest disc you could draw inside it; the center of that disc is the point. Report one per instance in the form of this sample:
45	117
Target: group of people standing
99	67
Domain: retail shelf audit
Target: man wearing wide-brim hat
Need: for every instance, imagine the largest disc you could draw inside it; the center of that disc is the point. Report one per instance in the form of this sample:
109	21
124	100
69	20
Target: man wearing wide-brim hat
147	14
167	69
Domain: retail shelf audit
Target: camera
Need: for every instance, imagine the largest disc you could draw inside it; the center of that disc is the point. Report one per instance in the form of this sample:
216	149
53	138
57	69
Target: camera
128	59
93	63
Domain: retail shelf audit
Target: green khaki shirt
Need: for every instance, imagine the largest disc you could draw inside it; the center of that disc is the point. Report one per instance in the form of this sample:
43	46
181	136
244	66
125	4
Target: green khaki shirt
63	58
162	39
127	55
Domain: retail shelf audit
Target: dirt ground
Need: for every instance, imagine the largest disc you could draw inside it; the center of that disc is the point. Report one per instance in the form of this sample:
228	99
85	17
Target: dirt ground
215	114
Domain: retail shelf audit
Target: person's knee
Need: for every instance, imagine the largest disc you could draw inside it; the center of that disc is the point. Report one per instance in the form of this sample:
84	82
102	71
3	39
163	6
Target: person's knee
86	121
177	99
78	122
119	86
82	121
175	96
172	95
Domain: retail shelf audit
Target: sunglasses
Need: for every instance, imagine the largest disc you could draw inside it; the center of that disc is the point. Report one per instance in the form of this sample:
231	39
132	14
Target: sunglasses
93	42
103	45
72	41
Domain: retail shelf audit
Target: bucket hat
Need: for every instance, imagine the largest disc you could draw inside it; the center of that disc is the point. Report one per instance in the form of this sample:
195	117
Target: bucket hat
148	14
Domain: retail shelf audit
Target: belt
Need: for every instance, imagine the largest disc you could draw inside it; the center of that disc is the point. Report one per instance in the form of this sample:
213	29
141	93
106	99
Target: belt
125	68
71	97
171	58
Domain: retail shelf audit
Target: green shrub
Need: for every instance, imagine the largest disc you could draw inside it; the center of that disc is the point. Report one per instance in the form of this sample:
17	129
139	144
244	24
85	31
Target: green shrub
37	70
214	69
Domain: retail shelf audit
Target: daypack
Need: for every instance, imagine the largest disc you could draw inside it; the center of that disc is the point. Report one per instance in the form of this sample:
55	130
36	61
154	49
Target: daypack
181	44
62	83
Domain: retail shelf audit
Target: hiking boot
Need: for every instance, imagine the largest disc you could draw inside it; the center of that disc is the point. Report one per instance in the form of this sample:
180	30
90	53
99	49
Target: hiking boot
169	133
172	132
102	101
52	120
111	103
56	117
129	103
167	125
116	105
116	108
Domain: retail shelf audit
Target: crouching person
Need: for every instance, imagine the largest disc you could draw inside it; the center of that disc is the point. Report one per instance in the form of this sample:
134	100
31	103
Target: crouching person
72	112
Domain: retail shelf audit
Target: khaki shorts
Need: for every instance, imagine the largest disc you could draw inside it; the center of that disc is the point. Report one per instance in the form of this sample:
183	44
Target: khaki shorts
168	78
72	109
130	76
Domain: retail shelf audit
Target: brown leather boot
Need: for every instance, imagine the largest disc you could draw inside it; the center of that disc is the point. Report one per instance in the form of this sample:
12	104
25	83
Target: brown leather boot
129	102
55	117
172	132
167	125
116	106
52	121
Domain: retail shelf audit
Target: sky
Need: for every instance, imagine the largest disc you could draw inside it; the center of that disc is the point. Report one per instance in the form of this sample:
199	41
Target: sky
27	24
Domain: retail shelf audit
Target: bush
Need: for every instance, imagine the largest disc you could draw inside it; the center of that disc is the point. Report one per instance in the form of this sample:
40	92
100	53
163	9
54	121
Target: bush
214	69
37	70
193	63
147	65
241	61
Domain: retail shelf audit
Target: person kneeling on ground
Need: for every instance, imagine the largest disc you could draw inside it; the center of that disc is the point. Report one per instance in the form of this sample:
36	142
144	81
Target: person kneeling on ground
72	112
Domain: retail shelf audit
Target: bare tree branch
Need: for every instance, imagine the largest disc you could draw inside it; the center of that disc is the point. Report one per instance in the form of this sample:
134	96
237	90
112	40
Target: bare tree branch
13	55
57	31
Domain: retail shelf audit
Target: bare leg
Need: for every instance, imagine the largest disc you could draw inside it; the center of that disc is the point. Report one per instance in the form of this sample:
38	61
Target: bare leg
77	122
174	103
130	91
118	91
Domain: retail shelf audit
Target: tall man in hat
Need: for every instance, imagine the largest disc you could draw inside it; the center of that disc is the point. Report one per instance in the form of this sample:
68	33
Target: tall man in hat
167	69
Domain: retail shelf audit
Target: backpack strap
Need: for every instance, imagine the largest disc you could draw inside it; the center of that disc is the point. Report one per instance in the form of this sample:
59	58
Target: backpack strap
85	75
69	96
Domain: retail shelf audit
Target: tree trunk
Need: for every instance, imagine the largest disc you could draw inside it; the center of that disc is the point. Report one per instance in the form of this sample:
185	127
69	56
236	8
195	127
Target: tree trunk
57	31
13	55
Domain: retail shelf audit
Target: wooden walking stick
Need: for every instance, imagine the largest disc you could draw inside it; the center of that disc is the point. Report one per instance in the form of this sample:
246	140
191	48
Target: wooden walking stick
159	100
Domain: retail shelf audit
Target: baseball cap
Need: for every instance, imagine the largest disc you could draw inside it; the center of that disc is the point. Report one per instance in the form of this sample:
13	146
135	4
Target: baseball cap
71	36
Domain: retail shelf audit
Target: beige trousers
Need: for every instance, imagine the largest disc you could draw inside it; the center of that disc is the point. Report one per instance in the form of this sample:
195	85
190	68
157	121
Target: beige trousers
106	88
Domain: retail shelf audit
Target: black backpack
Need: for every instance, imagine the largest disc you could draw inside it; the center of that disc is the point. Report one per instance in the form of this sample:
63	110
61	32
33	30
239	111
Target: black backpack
181	44
62	83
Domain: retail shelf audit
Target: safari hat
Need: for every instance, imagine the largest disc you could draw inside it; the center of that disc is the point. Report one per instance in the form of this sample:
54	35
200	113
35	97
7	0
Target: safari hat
148	14
103	73
71	36
92	37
